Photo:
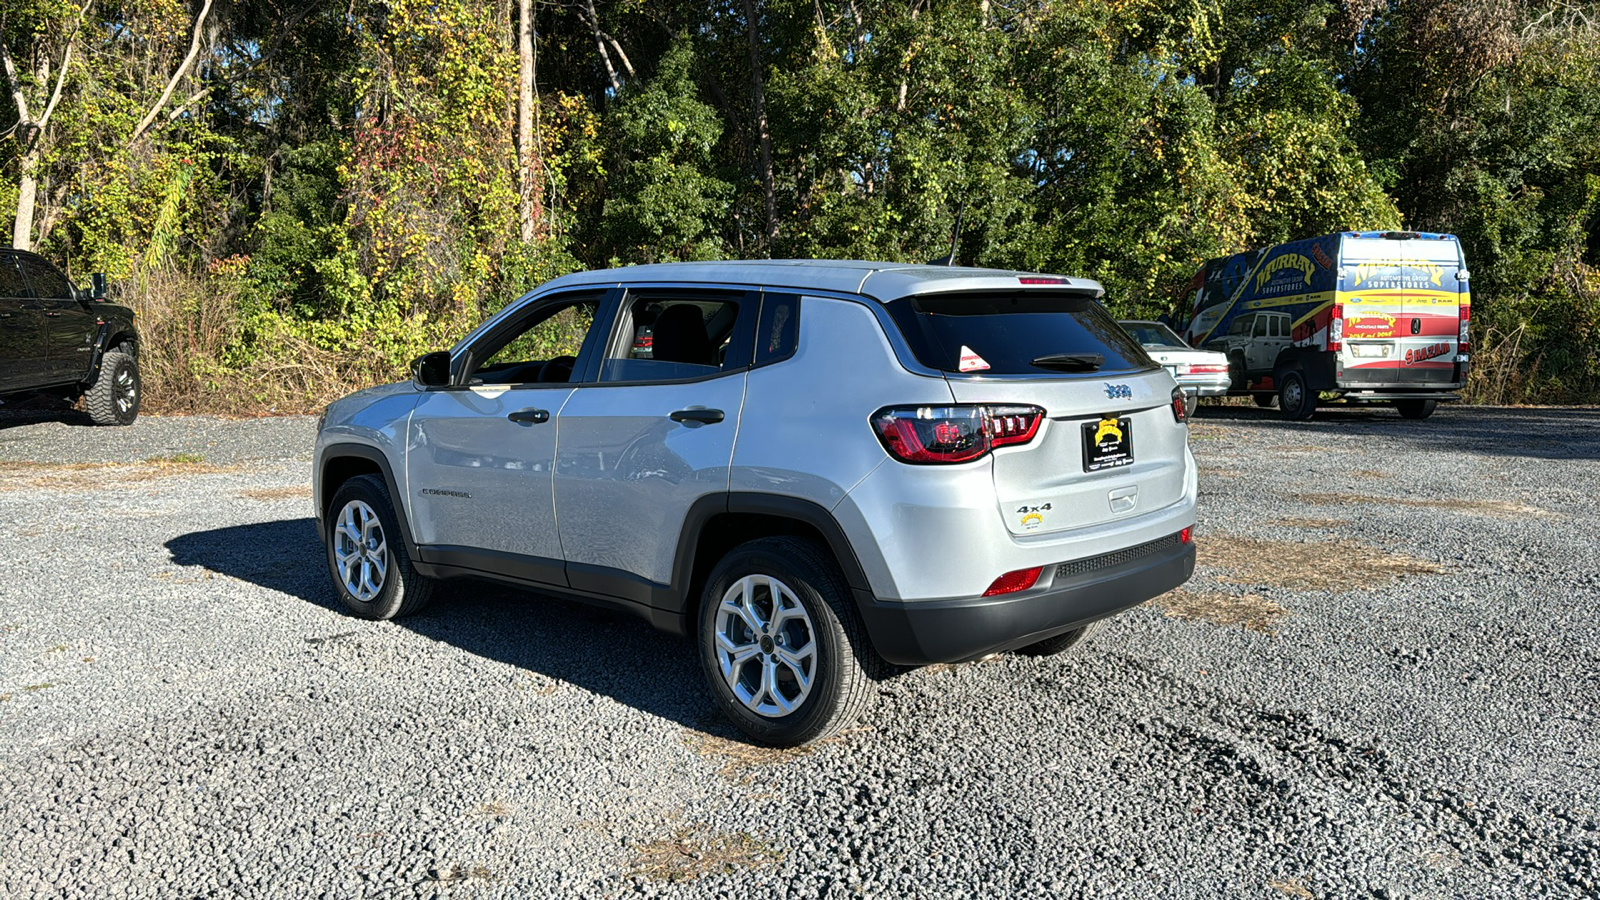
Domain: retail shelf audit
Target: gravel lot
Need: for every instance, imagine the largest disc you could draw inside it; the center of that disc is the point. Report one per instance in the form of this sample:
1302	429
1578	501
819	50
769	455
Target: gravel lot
1382	682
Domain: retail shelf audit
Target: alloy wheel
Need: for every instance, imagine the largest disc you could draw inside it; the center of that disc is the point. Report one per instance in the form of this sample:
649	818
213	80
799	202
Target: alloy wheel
127	389
766	646
360	550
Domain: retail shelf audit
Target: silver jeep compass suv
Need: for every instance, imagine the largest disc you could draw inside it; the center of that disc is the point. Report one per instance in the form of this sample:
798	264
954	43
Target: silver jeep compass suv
819	470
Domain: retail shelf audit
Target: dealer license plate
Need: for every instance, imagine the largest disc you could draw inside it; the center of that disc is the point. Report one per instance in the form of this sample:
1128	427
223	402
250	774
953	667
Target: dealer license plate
1107	444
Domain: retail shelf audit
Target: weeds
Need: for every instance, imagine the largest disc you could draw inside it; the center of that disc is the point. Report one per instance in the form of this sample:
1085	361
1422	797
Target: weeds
1248	610
696	851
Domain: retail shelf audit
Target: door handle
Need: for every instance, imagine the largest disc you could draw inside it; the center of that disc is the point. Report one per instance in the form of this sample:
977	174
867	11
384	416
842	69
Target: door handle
1416	326
530	416
698	414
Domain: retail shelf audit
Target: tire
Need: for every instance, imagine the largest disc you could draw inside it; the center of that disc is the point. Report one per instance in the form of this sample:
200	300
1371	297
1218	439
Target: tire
763	694
1237	376
1050	646
1416	409
1266	401
380	582
114	397
1295	400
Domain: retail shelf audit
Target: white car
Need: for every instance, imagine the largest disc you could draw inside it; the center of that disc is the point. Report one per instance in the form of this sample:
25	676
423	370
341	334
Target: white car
1201	373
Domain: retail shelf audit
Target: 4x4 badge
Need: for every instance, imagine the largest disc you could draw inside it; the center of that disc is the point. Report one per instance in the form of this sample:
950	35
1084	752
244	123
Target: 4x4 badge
1119	392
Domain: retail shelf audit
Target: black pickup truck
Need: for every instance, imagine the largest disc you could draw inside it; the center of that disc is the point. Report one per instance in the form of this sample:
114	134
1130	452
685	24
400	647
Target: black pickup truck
58	340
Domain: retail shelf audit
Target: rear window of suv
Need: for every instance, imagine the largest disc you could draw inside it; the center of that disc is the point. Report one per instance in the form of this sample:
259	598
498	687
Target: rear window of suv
1003	332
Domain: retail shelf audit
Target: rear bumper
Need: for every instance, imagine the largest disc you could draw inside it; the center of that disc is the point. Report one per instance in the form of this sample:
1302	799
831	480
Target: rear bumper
932	631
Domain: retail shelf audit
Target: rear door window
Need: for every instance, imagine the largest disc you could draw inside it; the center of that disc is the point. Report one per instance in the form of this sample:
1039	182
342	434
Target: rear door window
1005	332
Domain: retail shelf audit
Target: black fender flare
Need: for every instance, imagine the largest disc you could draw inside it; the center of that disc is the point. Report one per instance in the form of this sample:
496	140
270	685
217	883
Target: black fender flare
348	449
756	503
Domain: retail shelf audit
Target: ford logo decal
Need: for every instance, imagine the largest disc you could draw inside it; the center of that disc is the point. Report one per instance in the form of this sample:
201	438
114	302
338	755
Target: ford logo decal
1119	392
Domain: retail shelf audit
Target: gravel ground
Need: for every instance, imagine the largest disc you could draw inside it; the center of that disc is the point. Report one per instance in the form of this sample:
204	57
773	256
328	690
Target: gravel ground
1381	682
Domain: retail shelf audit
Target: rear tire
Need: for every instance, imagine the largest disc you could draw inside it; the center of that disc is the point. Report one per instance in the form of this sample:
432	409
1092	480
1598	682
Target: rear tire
367	556
117	391
1061	643
781	644
1416	409
1237	376
1295	400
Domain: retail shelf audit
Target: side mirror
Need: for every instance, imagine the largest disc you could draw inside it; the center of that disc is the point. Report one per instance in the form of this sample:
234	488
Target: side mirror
431	369
97	286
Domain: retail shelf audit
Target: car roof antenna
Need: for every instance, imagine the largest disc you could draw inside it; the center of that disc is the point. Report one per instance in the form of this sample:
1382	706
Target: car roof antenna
955	240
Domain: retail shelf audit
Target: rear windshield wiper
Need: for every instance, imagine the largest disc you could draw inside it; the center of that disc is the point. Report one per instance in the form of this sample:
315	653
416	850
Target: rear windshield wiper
1071	362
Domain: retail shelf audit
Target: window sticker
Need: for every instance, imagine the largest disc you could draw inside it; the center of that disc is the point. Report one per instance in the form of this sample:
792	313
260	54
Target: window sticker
970	361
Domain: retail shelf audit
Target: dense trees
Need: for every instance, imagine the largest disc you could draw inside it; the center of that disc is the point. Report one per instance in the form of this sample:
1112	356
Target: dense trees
302	195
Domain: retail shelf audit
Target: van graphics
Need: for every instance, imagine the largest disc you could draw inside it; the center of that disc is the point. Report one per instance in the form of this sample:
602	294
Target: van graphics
1290	271
1321	256
1423	354
1394	273
1369	323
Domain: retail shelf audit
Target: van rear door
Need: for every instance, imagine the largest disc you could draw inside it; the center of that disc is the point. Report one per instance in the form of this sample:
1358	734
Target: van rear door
1402	306
1431	314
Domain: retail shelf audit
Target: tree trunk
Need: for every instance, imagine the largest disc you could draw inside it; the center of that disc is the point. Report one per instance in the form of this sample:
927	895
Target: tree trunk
600	43
758	87
526	177
195	41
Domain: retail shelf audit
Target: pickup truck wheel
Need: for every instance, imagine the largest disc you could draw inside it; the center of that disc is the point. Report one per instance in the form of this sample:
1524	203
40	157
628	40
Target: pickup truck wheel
367	556
1416	409
1061	643
114	397
779	642
1295	400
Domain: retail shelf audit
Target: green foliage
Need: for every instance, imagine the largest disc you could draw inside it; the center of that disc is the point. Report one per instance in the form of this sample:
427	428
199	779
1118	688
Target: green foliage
329	191
663	199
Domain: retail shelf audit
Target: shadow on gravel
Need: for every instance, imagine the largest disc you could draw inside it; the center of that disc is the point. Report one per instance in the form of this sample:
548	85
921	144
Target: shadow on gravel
15	416
553	640
1565	433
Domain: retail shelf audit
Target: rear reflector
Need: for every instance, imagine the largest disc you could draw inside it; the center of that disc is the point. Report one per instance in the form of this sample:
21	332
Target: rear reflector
1186	536
1011	582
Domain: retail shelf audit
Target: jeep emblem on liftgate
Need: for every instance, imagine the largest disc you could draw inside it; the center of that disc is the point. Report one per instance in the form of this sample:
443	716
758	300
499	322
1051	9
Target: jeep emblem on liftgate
1119	392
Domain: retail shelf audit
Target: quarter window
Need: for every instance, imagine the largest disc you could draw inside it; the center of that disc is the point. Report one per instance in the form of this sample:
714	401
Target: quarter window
778	333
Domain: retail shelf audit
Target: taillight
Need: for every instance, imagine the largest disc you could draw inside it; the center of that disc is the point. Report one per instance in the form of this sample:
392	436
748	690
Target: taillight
1011	582
1463	342
1335	326
953	434
1202	368
1180	406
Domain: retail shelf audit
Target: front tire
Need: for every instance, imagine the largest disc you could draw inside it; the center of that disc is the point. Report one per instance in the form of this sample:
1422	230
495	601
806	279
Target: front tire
1416	409
115	396
1295	400
367	556
781	644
